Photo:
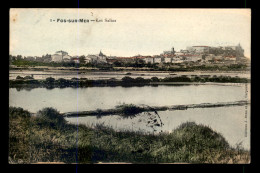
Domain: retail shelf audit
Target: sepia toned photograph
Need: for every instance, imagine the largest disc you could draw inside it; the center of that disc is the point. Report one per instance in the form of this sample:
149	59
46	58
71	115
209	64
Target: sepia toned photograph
129	86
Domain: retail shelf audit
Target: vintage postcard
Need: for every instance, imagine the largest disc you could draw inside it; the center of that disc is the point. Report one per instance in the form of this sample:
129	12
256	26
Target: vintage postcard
129	86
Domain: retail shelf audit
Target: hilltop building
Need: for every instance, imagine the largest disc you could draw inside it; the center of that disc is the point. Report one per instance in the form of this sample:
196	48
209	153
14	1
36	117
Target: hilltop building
102	58
99	58
196	54
60	56
234	51
149	60
198	49
168	53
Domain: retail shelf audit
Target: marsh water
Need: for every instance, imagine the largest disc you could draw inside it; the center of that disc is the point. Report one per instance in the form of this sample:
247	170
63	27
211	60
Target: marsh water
232	122
229	121
92	98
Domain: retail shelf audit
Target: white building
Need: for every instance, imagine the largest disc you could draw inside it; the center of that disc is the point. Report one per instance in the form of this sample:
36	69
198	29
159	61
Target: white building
179	53
193	58
230	58
93	58
149	60
168	60
157	60
233	59
218	58
177	60
56	58
184	51
59	57
209	58
87	60
96	58
75	59
102	58
67	59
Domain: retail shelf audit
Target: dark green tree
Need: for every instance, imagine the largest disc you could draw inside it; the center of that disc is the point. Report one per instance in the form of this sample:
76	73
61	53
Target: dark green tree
82	59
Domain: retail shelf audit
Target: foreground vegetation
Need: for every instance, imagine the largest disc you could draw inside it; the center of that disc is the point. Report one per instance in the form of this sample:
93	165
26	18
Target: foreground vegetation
125	81
47	137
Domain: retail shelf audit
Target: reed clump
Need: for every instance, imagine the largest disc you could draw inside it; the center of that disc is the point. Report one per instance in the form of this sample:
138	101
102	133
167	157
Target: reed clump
127	110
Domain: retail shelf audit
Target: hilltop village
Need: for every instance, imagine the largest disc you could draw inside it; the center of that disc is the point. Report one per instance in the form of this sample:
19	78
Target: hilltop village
191	56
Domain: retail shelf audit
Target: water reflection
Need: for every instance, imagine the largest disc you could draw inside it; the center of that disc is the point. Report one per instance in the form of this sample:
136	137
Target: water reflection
92	98
229	121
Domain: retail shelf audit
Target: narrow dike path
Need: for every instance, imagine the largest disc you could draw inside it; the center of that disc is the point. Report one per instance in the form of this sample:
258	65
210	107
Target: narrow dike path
145	108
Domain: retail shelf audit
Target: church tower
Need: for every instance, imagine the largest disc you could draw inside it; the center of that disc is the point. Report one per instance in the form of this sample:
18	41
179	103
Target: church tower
173	51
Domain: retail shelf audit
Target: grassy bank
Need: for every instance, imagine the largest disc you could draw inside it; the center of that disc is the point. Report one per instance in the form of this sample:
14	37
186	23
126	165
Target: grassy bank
29	82
47	137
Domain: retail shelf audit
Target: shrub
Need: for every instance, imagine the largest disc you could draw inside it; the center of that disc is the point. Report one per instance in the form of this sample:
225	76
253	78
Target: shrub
112	79
140	80
127	79
19	77
19	138
82	78
18	112
61	81
129	109
50	80
197	79
155	79
74	79
177	79
28	77
201	134
51	117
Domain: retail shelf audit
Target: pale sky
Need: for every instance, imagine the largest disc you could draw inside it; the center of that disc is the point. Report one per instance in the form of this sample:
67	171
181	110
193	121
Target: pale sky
136	31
